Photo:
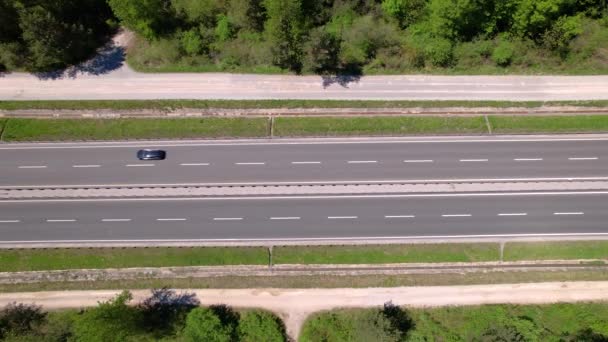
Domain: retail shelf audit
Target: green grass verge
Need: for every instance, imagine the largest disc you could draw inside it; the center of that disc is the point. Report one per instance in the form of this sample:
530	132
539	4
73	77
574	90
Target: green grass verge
2	125
352	126
380	254
114	129
551	322
548	124
515	251
97	258
261	104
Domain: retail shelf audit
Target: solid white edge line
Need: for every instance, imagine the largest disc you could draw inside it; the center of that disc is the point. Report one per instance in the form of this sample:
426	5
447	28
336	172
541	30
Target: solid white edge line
67	220
32	167
171	219
399	216
115	220
341	217
337	141
352	238
227	218
456	215
441	195
570	213
366	181
583	158
286	218
513	214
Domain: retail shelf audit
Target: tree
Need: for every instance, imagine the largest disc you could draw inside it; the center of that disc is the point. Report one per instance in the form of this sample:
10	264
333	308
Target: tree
534	17
202	324
586	335
145	17
260	325
19	319
322	51
164	308
110	321
406	12
284	32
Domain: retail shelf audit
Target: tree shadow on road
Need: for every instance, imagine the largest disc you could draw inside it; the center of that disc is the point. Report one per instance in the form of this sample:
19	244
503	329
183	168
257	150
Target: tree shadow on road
107	59
342	80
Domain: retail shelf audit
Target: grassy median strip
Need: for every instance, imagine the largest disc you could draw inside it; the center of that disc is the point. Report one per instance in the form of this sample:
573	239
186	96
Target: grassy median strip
548	124
384	254
115	129
378	125
261	104
98	258
563	250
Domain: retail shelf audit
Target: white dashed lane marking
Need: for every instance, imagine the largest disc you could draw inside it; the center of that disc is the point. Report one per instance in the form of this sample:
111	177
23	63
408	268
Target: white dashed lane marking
115	220
528	159
570	213
513	214
138	165
32	167
342	217
171	219
419	161
194	164
399	216
258	163
305	162
67	220
85	166
456	215
362	161
583	158
472	160
227	218
286	218
10	221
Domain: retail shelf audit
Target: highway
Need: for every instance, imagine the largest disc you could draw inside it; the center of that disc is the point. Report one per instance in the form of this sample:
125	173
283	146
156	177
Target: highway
292	218
306	160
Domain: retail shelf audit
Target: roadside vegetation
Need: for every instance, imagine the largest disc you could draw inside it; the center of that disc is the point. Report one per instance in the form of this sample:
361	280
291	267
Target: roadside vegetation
527	323
17	129
348	37
15	260
368	37
164	316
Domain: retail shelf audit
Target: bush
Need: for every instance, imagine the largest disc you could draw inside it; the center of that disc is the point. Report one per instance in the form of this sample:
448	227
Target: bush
203	324
439	52
503	53
110	321
191	42
260	325
19	319
165	309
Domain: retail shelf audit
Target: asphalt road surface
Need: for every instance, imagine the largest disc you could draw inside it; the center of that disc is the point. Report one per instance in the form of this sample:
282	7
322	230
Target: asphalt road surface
305	217
304	160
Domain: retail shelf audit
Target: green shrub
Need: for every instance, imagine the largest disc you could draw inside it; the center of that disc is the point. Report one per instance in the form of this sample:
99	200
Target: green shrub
110	321
191	42
258	325
503	53
20	319
439	51
203	324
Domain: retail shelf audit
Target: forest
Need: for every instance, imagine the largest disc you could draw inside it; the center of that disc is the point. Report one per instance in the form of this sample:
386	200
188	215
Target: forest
314	36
